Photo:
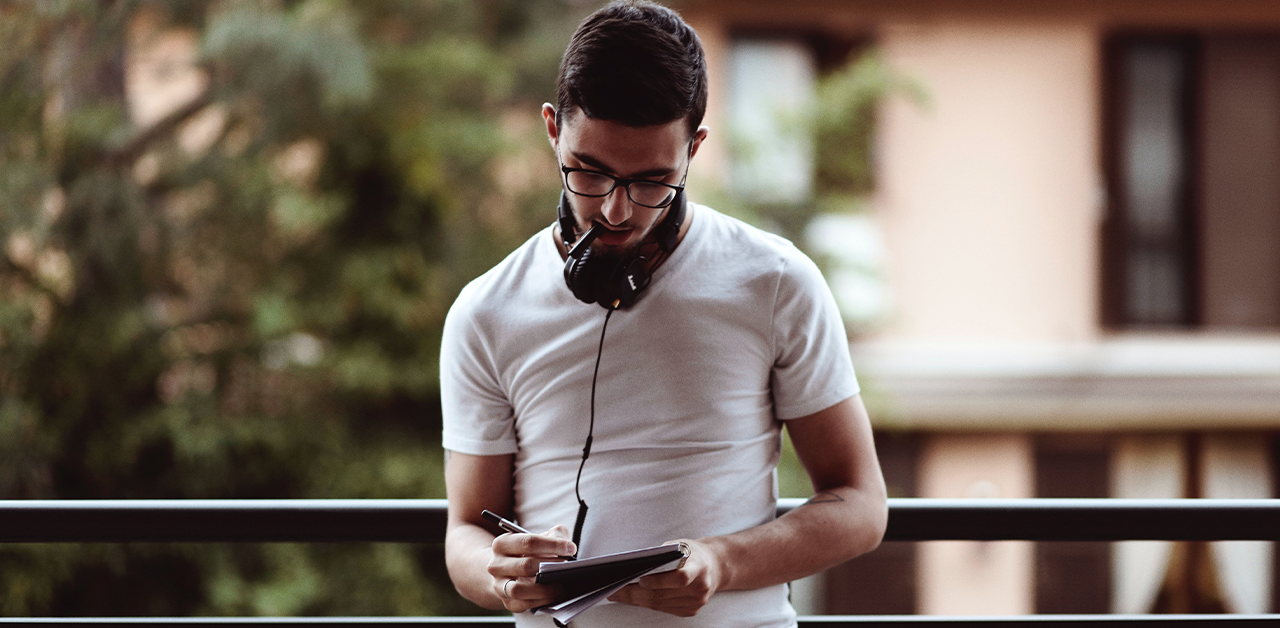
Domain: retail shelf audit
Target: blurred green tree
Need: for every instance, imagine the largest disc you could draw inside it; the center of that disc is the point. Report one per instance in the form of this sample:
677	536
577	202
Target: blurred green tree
230	232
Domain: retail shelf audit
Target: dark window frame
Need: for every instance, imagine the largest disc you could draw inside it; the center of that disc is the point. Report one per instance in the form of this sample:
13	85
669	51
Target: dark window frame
1073	577
1117	242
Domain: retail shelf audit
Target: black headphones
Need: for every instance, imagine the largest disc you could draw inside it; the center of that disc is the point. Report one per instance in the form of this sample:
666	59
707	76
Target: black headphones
613	283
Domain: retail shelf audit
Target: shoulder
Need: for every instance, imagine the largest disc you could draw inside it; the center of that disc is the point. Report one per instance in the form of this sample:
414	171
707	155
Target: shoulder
753	249
523	268
735	235
483	307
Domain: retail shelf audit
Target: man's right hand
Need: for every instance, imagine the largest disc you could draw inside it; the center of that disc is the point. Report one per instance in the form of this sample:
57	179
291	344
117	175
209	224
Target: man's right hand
515	565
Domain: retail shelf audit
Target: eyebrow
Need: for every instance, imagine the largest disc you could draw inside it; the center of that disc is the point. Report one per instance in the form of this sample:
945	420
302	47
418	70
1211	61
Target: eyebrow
599	165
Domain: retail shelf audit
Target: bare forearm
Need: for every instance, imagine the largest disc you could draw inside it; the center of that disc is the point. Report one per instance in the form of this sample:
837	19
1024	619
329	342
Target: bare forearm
468	551
847	517
832	527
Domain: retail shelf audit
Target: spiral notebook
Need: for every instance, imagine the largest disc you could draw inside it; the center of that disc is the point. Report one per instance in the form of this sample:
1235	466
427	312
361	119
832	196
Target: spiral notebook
589	581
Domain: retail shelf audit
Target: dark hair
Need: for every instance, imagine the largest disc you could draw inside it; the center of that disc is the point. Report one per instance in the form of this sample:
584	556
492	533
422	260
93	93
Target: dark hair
636	63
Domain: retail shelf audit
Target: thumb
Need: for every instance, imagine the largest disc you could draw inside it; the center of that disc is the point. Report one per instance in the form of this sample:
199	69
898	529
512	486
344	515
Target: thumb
559	532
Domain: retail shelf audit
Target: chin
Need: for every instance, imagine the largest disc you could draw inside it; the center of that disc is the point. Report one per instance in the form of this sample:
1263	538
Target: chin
615	250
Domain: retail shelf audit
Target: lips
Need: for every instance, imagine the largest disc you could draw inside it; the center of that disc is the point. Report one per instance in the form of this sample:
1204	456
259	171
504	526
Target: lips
614	238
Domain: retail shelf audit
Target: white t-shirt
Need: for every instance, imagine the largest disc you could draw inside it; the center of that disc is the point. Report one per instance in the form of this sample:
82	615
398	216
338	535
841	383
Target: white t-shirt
737	331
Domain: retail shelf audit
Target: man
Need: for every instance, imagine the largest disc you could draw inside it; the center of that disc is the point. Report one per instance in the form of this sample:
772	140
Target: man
681	401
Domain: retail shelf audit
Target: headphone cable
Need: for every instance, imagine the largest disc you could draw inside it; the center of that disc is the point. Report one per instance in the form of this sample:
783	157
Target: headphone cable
586	449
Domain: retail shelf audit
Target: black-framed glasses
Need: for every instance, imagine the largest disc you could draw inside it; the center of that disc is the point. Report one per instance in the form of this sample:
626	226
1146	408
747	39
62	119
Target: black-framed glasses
595	184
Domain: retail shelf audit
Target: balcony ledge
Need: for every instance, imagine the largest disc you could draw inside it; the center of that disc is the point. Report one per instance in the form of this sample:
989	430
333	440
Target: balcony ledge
1130	382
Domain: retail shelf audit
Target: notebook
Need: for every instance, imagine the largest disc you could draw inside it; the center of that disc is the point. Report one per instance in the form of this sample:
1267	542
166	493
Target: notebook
589	581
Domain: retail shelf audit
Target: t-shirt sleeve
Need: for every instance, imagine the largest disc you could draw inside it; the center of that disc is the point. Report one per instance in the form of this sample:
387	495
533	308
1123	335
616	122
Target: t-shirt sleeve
478	418
812	370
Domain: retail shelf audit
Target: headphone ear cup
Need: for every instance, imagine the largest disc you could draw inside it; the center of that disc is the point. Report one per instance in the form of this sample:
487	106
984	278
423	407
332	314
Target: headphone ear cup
580	275
606	280
629	280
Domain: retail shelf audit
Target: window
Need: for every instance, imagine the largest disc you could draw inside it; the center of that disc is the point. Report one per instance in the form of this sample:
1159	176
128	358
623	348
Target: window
771	84
1192	237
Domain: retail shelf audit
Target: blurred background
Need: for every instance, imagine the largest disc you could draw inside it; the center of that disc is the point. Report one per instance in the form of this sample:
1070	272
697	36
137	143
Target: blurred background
231	229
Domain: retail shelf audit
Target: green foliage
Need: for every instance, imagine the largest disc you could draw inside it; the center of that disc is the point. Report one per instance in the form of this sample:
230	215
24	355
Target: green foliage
843	123
840	124
244	299
793	480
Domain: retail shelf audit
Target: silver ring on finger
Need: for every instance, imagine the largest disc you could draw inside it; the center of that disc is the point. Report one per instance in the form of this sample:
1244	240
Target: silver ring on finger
504	588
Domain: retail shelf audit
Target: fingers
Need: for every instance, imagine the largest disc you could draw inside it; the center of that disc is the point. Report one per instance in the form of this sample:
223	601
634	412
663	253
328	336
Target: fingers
669	586
513	559
542	545
682	602
681	592
521	594
677	579
514	566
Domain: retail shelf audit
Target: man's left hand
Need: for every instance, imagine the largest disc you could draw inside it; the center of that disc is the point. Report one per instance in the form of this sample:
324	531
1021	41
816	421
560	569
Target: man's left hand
682	592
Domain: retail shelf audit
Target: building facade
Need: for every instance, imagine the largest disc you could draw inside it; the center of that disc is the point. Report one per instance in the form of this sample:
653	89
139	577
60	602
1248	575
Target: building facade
1077	234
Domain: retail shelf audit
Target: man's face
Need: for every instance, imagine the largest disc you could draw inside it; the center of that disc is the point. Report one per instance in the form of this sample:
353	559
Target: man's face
658	153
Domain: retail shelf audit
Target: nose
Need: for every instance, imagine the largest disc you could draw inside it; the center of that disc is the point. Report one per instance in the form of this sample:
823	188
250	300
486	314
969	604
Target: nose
617	207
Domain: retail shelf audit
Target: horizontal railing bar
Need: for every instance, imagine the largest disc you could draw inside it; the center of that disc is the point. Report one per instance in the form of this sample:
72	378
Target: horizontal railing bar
423	520
1084	519
230	520
1032	621
826	621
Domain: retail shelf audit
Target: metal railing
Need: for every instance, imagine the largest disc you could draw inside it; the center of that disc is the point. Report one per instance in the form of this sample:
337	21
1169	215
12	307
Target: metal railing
423	521
825	621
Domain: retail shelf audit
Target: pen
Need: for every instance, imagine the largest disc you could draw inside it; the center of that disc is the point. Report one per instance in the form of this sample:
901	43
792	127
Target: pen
510	526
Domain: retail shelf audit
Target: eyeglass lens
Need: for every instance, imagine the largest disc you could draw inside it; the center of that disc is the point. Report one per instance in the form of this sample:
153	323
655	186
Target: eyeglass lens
640	192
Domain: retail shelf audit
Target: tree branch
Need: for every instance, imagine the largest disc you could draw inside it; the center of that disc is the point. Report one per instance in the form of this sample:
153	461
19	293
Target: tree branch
131	150
28	277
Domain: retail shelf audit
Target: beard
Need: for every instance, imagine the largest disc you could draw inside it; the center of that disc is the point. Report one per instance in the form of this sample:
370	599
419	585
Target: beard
615	251
612	256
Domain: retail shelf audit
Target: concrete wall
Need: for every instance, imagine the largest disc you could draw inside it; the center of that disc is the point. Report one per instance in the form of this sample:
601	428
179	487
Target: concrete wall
976	577
989	192
990	199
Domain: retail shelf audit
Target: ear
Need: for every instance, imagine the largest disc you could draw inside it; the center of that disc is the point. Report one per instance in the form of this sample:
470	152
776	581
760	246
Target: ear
698	136
549	117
